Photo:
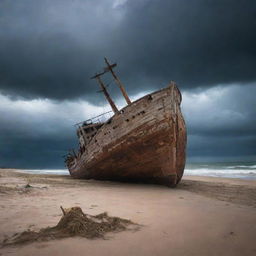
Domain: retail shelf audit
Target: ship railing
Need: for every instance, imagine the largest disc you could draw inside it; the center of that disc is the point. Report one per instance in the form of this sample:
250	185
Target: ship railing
102	118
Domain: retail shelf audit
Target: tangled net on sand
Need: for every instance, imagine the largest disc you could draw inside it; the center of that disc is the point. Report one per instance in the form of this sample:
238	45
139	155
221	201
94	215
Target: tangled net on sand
74	223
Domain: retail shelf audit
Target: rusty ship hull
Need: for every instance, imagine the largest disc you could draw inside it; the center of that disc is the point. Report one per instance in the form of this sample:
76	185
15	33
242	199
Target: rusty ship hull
146	140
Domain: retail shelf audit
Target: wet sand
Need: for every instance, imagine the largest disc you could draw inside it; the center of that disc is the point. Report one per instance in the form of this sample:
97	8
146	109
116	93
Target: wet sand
202	216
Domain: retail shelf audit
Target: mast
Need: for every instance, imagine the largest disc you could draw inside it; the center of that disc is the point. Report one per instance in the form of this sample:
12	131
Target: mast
117	80
104	90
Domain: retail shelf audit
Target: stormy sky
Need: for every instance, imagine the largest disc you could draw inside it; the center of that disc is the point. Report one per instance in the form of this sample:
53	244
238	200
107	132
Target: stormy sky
49	49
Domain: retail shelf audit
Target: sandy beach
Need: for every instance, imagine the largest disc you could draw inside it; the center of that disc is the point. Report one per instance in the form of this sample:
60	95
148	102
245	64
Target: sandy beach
202	216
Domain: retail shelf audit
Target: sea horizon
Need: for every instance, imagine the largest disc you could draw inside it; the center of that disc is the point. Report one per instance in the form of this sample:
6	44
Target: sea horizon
241	170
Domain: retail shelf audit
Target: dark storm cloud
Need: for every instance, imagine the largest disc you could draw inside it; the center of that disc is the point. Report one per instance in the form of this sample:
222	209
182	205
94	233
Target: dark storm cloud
27	152
29	147
221	111
220	148
221	122
37	133
51	48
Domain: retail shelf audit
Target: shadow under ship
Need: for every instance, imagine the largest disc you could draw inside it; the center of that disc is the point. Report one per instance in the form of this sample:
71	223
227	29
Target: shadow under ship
144	141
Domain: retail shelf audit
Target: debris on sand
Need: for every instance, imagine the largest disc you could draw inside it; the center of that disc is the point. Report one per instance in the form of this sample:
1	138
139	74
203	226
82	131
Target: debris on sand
75	223
9	190
28	186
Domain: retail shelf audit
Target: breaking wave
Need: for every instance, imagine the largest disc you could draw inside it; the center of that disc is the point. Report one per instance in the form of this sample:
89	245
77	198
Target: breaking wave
47	171
242	171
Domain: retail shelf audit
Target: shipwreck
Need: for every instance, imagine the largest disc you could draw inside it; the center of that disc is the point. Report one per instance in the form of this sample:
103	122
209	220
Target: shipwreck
144	141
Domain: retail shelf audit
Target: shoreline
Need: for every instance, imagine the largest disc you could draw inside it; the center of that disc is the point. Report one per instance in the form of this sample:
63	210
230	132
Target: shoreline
202	216
242	172
213	187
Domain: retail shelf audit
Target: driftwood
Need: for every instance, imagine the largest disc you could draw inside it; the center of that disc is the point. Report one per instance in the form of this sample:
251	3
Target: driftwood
63	211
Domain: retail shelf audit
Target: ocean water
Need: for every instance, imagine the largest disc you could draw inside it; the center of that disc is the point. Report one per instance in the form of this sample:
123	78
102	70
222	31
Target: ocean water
46	171
242	170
